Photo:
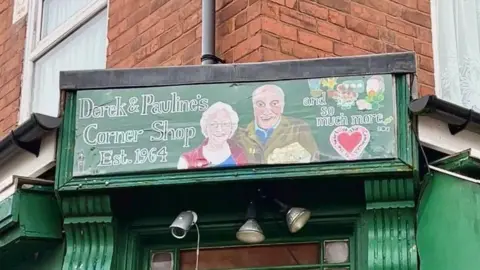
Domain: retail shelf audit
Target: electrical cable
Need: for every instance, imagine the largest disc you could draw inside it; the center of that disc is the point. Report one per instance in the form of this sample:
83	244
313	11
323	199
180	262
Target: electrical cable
198	246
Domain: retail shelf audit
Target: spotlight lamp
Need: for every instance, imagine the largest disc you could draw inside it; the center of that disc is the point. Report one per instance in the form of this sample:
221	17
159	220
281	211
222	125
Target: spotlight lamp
296	217
182	224
250	232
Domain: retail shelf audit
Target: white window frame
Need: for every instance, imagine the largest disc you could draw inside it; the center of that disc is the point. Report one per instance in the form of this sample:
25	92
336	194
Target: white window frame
35	47
434	133
436	54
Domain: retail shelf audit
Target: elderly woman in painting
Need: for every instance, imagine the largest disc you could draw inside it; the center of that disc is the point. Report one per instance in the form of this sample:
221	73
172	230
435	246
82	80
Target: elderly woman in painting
218	123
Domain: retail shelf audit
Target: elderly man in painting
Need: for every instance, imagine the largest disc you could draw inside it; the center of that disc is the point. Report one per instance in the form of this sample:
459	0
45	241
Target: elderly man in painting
272	137
218	123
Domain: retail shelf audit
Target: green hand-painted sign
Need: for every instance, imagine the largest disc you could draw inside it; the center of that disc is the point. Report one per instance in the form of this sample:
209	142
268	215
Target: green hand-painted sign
220	125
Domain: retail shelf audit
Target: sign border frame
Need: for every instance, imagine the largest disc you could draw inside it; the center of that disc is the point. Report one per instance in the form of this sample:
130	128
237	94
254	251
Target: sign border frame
399	65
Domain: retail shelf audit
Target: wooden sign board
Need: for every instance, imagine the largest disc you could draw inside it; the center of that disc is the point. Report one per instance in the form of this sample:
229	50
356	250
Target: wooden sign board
223	122
230	124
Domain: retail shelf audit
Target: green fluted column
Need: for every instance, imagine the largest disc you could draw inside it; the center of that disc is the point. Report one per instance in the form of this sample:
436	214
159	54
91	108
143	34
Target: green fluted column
389	225
89	232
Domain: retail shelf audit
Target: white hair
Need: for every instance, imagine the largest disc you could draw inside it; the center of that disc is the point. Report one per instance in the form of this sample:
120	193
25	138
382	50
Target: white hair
213	109
265	87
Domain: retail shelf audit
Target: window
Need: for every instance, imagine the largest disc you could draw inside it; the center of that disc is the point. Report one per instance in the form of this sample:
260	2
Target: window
324	255
162	261
456	46
61	35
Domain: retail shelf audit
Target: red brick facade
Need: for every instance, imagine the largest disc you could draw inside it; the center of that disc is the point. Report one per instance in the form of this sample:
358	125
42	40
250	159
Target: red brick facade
145	33
12	42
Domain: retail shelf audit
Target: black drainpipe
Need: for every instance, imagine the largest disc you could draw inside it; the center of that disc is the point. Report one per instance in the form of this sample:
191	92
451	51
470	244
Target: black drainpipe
208	33
28	136
457	117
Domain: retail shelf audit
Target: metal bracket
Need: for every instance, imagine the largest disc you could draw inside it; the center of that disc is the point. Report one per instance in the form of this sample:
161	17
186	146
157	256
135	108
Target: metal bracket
454	129
32	146
212	57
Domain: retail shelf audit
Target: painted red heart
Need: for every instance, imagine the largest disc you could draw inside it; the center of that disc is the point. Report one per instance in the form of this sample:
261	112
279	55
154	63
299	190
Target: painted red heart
350	142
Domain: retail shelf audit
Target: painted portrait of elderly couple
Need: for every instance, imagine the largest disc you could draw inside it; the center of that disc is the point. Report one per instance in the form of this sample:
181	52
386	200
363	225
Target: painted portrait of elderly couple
269	138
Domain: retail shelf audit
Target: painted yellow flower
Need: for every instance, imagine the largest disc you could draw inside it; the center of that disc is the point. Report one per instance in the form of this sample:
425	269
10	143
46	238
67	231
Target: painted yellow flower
329	82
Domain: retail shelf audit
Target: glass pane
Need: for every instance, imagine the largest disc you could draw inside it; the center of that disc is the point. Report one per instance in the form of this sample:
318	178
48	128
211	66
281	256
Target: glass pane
162	261
244	257
336	268
56	12
335	251
83	49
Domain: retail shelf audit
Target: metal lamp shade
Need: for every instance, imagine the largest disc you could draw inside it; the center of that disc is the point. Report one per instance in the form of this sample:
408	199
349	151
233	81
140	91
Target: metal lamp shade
297	218
250	232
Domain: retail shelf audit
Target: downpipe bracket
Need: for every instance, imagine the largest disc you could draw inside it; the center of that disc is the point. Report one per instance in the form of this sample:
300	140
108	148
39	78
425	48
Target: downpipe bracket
213	58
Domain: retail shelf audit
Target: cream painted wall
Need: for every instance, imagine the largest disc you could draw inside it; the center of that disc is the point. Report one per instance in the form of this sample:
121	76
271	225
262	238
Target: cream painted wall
435	134
27	165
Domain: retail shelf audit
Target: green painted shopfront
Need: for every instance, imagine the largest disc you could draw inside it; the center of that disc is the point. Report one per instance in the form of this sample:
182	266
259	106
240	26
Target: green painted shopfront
310	164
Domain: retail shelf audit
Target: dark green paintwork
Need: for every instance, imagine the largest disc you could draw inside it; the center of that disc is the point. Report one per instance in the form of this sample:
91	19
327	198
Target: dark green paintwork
89	231
391	239
390	193
389	224
462	163
8	213
31	223
449	218
357	169
36	256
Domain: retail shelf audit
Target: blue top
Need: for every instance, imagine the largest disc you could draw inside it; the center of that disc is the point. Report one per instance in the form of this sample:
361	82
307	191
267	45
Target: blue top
229	162
264	134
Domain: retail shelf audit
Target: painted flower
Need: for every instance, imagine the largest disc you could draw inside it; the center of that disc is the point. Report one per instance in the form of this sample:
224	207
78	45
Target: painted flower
314	84
375	85
329	82
371	93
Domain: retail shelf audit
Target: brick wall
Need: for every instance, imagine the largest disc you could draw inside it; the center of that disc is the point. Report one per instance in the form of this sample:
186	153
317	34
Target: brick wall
168	32
12	41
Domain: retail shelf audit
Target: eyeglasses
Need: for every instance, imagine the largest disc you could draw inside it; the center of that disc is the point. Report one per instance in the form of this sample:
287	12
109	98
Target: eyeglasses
223	125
